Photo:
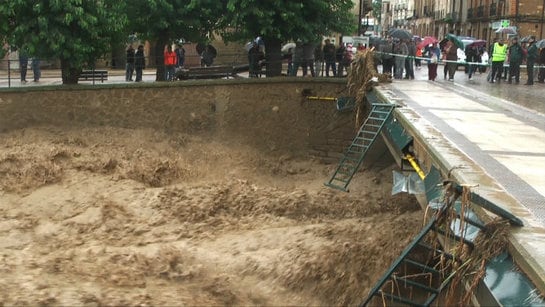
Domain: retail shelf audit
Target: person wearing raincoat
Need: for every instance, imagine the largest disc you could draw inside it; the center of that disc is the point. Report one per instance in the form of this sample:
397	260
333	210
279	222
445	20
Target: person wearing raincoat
515	60
531	60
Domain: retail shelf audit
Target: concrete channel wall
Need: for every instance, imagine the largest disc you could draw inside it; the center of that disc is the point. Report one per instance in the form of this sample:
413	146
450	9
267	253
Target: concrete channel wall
272	115
433	149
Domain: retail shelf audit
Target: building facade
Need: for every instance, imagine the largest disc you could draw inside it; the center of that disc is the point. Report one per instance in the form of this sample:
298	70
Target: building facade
476	18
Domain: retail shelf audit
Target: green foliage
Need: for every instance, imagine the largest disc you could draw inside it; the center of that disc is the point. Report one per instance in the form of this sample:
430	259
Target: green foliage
377	9
75	31
80	31
192	20
166	21
285	20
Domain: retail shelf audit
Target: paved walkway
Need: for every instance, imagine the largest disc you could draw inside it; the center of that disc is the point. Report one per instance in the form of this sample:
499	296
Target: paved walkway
506	138
53	77
495	144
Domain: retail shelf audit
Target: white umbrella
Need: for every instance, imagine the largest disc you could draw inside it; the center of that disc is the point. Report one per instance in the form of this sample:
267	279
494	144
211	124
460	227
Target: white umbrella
287	47
248	46
540	43
507	30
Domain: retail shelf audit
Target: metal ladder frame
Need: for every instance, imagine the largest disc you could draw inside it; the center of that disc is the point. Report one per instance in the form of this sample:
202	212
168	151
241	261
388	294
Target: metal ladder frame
365	138
416	242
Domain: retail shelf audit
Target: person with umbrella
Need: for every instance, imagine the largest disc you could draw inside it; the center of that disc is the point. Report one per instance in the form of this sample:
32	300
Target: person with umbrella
329	57
139	62
418	58
401	51
451	51
287	54
541	62
515	60
387	56
308	59
499	54
530	60
255	58
472	58
409	61
298	58
433	53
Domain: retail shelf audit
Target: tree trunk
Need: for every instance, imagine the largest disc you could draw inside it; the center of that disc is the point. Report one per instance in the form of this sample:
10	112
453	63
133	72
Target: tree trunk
273	48
70	75
159	49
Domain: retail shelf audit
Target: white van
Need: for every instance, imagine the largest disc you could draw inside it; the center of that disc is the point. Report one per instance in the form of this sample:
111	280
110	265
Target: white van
355	41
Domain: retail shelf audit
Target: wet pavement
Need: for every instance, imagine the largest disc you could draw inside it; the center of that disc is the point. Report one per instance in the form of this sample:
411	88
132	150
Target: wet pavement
531	97
53	77
490	137
500	126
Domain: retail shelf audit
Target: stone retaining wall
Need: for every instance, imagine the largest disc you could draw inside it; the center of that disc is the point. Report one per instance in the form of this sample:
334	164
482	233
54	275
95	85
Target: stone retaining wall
267	113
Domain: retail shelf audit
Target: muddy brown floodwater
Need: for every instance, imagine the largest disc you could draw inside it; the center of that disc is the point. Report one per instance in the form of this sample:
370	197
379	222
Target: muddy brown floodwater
112	216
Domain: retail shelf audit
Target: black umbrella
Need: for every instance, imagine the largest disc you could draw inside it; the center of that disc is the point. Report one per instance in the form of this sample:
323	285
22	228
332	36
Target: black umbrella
400	33
213	50
200	47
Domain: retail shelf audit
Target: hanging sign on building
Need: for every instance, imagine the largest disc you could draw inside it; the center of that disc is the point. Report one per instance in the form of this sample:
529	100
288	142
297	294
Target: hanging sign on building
504	23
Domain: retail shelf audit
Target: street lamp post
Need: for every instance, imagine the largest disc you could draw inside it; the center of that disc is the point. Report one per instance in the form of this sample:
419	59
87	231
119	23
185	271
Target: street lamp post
360	15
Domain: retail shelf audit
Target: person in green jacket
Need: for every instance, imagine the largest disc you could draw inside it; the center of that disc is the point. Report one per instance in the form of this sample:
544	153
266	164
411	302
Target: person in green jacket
530	60
515	60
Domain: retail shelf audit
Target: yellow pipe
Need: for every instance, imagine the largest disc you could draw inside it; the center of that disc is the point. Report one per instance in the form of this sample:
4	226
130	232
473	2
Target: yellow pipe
321	98
414	164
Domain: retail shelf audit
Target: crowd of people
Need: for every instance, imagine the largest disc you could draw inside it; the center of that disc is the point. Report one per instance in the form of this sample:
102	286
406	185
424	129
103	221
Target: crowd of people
317	59
399	58
502	58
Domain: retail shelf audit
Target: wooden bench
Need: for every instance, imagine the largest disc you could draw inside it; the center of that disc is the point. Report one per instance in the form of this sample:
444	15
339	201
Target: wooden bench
211	72
93	75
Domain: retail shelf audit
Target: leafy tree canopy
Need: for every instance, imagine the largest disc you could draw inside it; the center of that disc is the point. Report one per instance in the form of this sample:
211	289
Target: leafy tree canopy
165	21
284	20
280	21
377	9
75	31
174	19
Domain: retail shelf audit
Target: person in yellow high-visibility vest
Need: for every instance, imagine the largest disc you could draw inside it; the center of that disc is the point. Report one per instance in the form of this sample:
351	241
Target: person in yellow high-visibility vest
499	54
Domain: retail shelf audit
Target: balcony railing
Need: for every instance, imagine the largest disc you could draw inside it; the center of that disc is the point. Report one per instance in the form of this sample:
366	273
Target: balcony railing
427	11
451	17
480	11
493	9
